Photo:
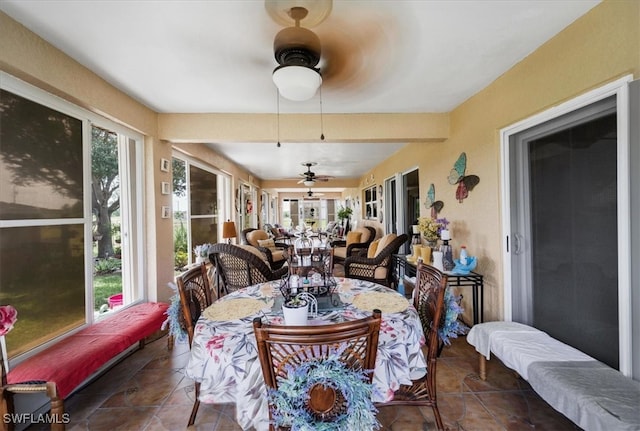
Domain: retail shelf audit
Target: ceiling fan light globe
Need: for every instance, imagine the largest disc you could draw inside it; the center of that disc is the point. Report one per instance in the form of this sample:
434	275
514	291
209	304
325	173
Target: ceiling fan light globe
297	83
309	183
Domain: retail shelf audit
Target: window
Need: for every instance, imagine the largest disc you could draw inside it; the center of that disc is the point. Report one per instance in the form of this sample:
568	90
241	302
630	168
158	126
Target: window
200	205
46	222
371	202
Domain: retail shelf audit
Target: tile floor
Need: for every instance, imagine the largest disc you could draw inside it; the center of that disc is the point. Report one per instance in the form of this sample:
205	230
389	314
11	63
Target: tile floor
148	391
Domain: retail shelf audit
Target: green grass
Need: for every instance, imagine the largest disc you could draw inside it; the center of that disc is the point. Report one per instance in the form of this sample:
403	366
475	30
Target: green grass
104	287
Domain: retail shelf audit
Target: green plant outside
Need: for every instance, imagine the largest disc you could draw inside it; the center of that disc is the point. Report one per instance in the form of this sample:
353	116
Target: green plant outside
106	266
180	253
104	286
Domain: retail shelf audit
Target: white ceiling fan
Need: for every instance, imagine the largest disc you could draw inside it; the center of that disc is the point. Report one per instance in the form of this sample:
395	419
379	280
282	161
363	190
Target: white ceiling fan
309	178
336	55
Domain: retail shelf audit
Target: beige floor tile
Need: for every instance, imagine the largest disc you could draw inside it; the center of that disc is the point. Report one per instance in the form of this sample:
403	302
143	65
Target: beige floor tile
148	391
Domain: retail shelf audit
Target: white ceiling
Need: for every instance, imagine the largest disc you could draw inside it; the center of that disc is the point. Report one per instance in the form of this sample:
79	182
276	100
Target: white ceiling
401	56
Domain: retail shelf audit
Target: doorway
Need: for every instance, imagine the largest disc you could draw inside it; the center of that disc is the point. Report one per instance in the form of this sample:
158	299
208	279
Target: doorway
564	188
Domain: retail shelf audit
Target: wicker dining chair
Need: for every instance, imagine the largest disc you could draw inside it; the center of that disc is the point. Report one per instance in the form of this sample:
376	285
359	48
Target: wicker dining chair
241	266
429	301
195	295
281	348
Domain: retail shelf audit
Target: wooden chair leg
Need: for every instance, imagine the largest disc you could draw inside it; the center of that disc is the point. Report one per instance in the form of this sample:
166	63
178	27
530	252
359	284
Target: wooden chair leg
436	413
3	411
57	408
6	407
483	366
196	404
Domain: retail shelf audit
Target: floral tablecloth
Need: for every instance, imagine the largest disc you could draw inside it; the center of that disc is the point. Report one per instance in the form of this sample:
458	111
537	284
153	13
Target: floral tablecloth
224	356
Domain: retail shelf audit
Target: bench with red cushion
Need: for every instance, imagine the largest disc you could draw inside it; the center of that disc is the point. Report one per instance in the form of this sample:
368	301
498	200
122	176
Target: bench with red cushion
76	358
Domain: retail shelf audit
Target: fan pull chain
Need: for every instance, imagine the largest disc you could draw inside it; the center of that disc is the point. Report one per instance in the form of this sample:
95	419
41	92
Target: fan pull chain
278	115
321	121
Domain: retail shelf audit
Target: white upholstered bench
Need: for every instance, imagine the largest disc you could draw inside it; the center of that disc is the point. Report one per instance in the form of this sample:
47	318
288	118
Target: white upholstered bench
589	392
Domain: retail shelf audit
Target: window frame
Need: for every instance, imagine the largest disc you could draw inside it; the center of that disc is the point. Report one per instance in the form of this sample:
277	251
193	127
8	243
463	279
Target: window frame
136	233
370	202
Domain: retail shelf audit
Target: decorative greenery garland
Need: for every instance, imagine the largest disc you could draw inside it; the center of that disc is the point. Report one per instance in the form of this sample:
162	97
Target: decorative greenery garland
451	326
289	401
175	320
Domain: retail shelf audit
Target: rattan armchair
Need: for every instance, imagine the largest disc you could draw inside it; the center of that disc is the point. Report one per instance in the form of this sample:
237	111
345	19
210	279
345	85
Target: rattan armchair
275	256
429	301
195	295
238	267
282	348
342	249
379	267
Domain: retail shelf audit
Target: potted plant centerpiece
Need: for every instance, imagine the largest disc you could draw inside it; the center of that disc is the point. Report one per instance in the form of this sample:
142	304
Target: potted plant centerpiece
295	310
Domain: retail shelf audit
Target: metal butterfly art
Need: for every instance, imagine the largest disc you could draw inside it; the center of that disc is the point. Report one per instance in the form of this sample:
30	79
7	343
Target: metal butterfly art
466	183
431	202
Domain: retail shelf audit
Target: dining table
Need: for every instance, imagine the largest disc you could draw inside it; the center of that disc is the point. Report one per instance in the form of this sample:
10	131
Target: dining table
224	356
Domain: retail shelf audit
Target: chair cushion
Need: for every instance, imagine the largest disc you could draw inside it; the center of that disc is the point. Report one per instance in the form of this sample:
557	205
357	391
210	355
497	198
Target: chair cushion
255	235
380	273
277	255
373	247
255	251
340	252
267	243
385	241
353	237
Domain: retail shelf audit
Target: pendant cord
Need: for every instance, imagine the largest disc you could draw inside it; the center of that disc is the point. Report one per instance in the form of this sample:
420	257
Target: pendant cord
278	115
321	120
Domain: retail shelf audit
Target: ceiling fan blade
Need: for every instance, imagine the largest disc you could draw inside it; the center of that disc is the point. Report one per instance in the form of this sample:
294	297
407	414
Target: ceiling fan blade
348	47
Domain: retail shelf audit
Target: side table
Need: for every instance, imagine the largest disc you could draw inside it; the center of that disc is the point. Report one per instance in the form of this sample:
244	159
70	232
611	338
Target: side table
474	280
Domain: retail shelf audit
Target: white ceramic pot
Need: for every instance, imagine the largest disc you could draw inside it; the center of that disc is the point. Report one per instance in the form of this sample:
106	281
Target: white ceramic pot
295	315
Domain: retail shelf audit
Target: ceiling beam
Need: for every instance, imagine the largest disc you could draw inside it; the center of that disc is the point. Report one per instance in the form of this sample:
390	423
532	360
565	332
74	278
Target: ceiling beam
343	128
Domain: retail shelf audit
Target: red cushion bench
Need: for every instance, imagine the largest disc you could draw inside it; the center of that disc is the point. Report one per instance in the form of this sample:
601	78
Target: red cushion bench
76	358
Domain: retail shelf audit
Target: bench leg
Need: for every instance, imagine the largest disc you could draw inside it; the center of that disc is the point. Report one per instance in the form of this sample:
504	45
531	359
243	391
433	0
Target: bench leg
482	366
57	408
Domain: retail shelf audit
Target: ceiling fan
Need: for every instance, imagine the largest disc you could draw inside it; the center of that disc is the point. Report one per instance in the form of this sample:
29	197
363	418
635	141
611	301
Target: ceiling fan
311	194
340	55
310	178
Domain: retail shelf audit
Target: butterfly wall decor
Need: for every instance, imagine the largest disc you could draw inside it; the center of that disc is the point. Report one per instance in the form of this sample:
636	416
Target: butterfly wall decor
432	203
466	183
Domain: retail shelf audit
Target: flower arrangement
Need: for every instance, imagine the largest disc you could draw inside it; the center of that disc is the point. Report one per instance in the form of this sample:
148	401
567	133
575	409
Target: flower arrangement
452	327
8	317
289	402
202	250
431	228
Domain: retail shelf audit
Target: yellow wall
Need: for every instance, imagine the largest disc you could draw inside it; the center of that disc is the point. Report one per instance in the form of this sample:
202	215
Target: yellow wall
599	47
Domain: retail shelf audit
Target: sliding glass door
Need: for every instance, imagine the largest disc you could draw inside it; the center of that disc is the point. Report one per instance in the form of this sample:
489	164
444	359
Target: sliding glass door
564	229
